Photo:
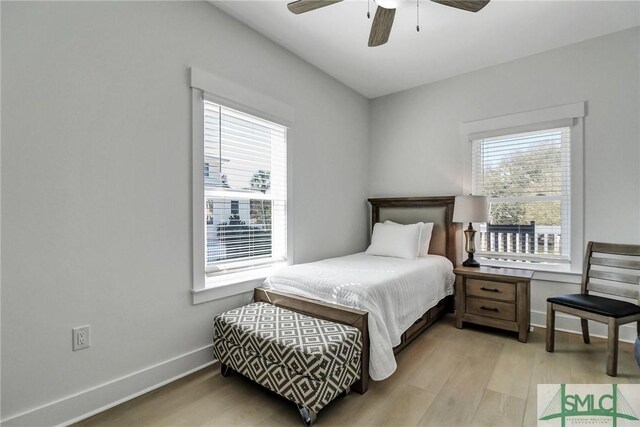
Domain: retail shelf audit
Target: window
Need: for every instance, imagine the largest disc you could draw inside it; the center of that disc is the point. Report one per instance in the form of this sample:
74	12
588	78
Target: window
239	185
530	164
527	178
245	191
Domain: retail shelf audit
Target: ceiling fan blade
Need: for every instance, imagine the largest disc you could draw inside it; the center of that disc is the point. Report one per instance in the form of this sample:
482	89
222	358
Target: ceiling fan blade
302	6
381	27
468	5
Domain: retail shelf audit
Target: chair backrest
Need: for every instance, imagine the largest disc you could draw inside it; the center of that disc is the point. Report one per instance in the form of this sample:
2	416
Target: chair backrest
612	269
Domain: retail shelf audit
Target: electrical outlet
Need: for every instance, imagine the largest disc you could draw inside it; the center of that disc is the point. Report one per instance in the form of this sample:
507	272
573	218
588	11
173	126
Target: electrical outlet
81	337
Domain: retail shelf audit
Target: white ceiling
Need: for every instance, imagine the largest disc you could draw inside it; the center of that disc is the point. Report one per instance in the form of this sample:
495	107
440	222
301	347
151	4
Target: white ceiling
450	41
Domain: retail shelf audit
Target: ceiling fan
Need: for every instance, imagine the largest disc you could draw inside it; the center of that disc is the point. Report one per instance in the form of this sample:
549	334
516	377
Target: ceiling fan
386	11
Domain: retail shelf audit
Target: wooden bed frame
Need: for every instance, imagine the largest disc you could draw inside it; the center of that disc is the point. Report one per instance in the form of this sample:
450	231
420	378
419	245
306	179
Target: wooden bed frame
404	210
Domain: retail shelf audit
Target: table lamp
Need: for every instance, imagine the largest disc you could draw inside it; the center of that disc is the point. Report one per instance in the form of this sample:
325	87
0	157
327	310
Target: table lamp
470	209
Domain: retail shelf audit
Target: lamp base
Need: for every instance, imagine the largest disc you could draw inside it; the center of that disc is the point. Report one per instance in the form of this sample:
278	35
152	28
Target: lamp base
470	262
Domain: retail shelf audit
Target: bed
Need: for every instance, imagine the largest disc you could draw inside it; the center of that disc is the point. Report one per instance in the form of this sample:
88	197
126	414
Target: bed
390	300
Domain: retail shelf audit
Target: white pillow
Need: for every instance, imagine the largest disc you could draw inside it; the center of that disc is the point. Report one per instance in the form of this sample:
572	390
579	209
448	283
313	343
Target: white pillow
425	236
395	240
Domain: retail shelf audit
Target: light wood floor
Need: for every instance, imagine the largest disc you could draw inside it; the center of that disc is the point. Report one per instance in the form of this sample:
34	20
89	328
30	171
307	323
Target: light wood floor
447	377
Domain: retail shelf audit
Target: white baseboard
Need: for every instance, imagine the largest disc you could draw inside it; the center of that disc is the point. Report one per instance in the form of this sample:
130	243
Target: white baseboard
91	401
571	324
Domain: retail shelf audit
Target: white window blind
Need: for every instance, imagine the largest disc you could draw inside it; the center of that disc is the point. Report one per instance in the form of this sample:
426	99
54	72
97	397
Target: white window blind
527	178
245	190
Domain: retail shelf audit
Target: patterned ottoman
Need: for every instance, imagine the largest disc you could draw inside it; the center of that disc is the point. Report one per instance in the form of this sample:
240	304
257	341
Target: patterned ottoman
307	360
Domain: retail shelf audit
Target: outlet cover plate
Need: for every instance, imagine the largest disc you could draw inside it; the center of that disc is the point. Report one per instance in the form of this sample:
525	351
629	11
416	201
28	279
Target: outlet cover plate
81	337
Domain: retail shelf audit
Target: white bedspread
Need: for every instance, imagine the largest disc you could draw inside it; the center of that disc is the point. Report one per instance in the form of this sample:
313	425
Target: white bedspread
395	292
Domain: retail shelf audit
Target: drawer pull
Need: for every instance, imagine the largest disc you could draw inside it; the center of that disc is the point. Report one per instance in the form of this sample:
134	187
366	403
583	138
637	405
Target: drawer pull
490	289
489	308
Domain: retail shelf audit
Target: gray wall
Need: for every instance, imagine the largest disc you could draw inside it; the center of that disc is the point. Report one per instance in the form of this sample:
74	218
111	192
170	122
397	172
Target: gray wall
96	175
416	147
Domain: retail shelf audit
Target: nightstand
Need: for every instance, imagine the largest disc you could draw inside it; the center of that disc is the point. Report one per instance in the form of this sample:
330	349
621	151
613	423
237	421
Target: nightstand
496	297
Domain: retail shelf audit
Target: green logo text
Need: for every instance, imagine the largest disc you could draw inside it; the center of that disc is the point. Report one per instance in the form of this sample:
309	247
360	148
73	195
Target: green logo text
565	405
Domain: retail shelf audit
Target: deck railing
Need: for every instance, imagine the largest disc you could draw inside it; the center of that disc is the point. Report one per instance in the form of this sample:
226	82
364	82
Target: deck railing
520	239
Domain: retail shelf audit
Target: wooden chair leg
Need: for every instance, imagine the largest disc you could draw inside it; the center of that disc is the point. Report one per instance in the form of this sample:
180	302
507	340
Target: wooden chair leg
551	325
585	330
612	348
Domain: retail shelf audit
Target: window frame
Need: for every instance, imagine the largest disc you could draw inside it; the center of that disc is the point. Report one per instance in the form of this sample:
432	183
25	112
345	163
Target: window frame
550	259
220	91
569	115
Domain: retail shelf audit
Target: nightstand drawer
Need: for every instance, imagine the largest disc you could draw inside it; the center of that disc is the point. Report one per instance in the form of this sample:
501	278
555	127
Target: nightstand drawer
489	289
488	308
496	297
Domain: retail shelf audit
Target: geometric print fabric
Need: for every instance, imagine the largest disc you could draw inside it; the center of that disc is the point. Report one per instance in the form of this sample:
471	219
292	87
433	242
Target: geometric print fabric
308	361
300	389
306	345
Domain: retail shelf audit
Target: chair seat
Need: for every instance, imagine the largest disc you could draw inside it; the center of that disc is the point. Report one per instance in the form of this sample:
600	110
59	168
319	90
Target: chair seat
598	305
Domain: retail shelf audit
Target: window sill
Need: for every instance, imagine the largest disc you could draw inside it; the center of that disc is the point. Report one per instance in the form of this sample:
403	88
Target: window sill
230	284
547	273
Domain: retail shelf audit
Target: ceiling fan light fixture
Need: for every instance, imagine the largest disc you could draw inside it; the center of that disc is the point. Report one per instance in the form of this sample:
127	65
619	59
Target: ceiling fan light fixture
388	4
385	13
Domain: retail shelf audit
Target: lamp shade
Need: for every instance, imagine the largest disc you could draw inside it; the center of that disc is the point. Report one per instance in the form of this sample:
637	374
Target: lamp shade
471	209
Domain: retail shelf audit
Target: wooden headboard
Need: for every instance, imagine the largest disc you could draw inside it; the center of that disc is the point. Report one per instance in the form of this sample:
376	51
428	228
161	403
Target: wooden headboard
409	210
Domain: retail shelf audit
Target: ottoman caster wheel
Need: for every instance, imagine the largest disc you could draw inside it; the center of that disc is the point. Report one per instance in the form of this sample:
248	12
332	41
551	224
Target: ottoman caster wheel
345	393
308	416
225	370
